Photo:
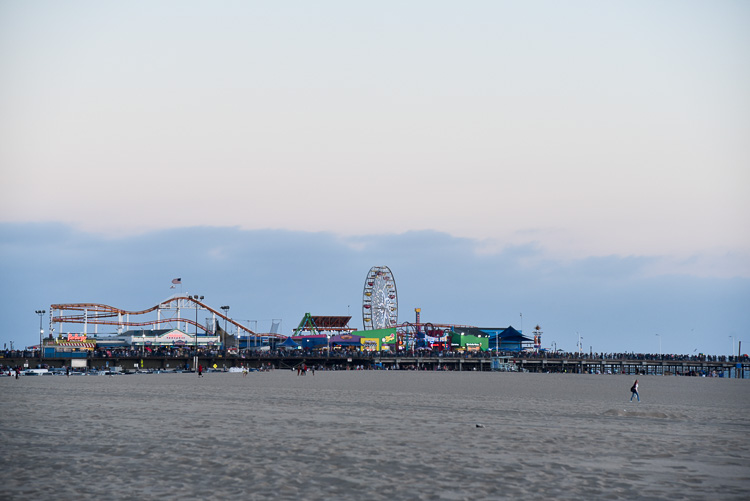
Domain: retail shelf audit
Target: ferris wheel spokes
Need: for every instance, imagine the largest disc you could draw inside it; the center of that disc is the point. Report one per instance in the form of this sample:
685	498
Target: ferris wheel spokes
379	299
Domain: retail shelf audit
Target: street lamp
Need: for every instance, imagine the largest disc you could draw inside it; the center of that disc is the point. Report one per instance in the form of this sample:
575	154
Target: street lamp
731	353
41	330
197	305
659	336
226	312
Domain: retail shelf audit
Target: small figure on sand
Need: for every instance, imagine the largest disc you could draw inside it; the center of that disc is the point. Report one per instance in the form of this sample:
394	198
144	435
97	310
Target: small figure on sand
634	391
200	370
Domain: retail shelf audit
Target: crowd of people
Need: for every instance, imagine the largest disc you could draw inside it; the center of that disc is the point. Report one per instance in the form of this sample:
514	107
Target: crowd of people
190	351
699	357
20	353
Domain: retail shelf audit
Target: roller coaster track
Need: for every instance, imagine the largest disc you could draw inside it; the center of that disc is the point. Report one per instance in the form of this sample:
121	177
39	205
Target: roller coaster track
102	314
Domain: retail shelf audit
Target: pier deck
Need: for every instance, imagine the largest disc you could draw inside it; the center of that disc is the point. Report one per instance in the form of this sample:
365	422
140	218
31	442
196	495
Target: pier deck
405	362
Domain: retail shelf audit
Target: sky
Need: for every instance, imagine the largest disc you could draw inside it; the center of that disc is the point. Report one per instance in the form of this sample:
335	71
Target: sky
579	165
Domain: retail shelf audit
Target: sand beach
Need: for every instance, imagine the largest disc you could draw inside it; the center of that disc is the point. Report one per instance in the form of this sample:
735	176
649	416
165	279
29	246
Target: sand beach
373	435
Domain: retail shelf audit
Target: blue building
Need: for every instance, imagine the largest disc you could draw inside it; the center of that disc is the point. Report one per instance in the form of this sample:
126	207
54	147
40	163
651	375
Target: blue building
506	338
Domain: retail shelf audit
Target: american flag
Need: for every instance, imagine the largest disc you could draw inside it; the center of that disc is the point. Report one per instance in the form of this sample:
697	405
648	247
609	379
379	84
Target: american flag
176	281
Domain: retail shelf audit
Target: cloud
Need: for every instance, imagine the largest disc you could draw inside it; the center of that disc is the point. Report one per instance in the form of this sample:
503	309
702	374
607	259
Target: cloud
328	125
617	304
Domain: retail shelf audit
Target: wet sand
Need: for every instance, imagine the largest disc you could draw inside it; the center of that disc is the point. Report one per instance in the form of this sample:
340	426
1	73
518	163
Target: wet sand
373	435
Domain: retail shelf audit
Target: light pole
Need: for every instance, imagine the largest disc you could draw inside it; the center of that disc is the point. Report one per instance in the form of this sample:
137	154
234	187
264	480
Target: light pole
731	352
41	331
226	313
659	336
197	305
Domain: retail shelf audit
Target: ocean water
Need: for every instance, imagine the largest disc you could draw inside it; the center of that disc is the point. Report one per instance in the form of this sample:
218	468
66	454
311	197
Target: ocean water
373	435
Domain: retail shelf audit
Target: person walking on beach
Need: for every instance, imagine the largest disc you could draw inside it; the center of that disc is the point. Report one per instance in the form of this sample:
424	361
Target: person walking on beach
634	391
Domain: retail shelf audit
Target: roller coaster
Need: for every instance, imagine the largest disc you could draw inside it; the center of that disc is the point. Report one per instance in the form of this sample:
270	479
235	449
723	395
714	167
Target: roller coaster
168	314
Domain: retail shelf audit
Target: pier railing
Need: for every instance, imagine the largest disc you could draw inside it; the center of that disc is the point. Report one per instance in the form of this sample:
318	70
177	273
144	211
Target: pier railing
632	364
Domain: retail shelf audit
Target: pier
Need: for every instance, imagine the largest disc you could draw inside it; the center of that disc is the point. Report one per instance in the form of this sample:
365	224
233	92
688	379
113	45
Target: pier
735	367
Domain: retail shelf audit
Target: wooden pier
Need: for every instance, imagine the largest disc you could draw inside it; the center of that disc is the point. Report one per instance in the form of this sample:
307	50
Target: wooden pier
629	366
578	366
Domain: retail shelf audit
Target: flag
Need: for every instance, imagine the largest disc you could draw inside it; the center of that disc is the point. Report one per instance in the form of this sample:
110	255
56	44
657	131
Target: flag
176	280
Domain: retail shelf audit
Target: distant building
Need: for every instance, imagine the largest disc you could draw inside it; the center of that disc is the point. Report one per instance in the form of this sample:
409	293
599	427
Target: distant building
468	339
155	338
68	346
506	339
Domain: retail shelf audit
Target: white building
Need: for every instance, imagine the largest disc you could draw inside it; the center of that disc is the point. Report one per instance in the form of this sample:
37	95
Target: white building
155	338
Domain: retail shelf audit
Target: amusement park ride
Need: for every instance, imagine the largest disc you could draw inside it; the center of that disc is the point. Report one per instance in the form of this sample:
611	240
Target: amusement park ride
379	299
169	314
379	317
380	311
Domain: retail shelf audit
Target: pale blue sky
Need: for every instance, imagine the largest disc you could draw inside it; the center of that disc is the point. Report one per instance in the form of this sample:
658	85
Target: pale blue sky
590	132
614	303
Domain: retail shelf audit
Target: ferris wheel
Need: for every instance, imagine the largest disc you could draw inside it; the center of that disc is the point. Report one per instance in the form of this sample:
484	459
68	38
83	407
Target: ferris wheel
379	299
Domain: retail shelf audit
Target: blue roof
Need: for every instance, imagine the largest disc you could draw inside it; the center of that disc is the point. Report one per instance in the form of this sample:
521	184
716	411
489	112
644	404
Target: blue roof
288	343
508	334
